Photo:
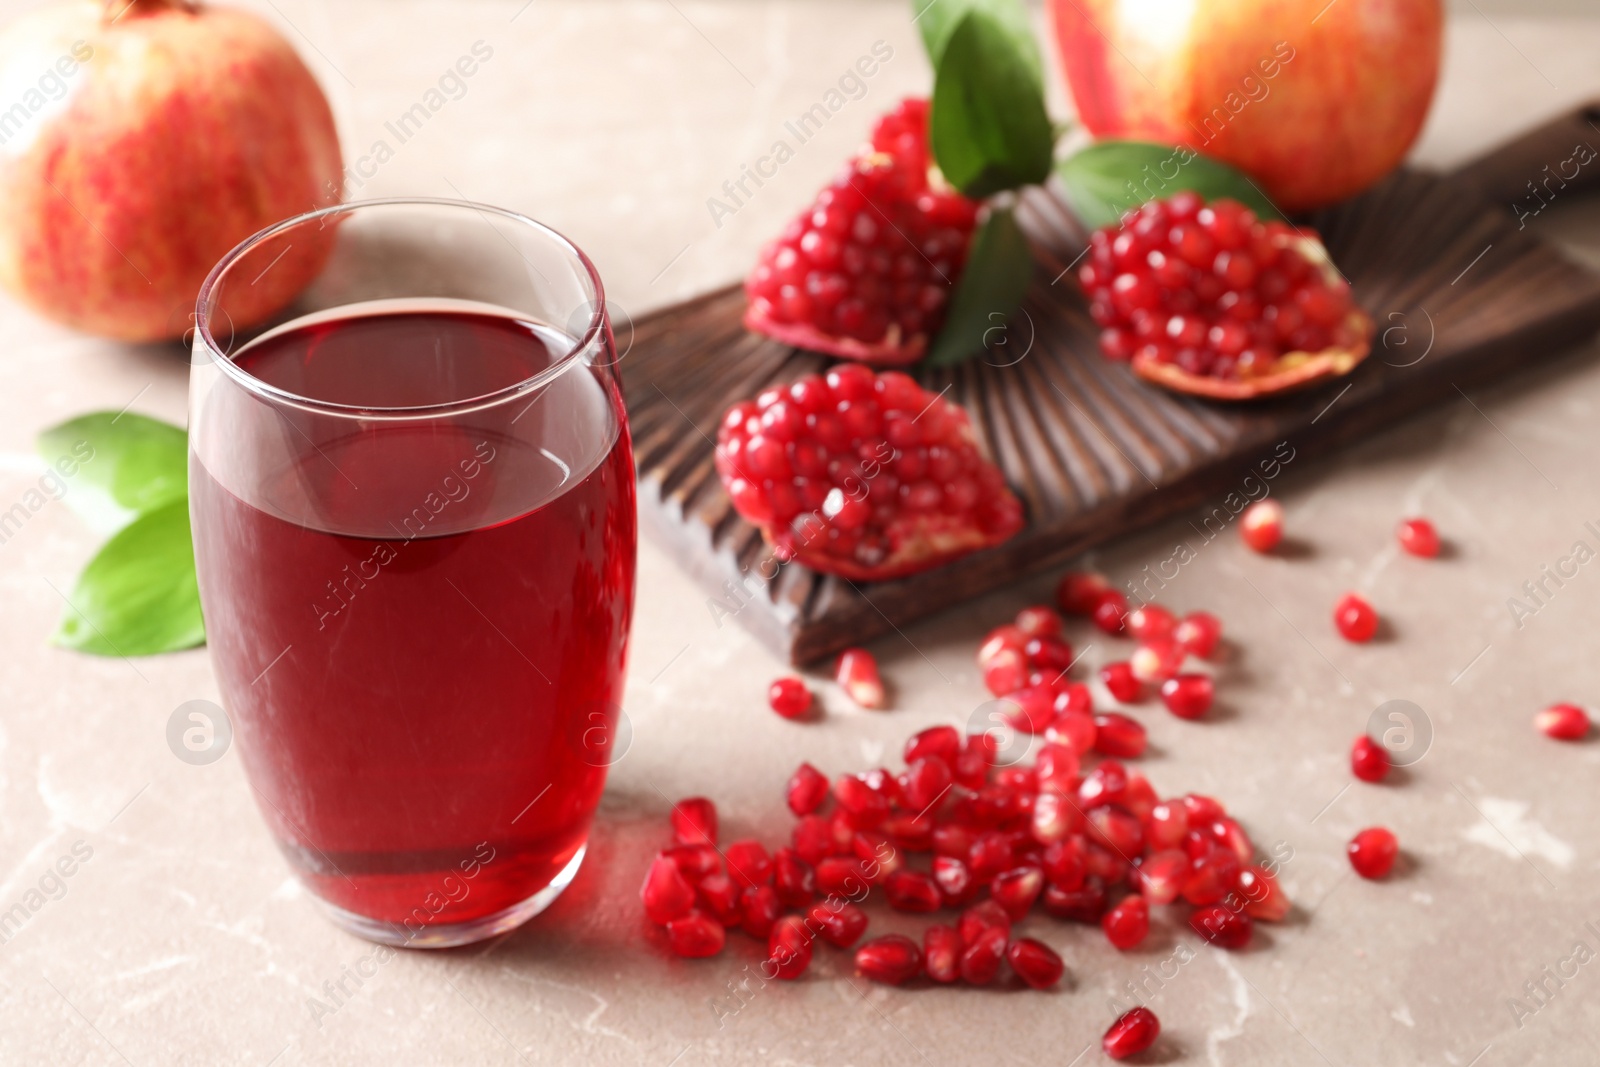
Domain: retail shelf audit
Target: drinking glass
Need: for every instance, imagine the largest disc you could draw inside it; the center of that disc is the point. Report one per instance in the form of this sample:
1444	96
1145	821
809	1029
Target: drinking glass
414	526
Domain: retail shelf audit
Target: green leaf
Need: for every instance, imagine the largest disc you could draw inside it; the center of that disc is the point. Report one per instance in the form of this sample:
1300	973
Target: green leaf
1111	177
993	282
937	20
121	465
990	130
138	596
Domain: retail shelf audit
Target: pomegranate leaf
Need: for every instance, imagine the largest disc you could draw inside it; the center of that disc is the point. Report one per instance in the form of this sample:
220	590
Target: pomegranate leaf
138	596
113	466
1106	179
993	282
937	19
989	128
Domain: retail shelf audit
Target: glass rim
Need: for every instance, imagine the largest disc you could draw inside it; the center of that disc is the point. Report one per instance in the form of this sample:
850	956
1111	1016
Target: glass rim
273	394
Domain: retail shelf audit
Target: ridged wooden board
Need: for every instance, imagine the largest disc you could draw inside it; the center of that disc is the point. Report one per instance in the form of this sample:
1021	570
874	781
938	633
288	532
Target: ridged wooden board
1092	451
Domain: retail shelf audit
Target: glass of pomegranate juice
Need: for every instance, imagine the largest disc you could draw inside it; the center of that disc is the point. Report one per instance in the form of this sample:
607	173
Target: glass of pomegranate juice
413	508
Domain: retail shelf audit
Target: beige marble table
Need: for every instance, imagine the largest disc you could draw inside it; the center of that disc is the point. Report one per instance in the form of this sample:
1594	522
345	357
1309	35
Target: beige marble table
181	938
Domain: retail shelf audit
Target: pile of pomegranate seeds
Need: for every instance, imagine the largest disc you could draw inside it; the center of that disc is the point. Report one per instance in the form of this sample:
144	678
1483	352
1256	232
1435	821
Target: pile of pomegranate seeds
1418	537
1261	525
866	271
1564	722
1372	852
863	475
1206	298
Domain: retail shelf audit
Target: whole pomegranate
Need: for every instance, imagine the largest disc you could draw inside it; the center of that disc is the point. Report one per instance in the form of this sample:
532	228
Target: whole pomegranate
153	136
1316	101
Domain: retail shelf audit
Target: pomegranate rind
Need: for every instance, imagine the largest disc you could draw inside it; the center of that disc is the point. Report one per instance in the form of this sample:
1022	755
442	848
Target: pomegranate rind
1290	371
892	351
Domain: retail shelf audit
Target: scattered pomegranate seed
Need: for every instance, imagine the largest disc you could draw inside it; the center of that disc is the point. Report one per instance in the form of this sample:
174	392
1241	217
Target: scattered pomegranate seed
694	822
1080	591
1110	612
1082	905
1127	923
925	782
1039	621
1369	761
807	790
666	894
1151	622
1161	876
912	891
1222	926
1154	662
840	876
891	959
1119	736
1132	1033
1355	618
1120	681
695	861
1016	890
1372	852
789	947
942	742
1418	537
789	697
1261	525
1035	962
1264	899
695	935
1072	730
1198	633
793	878
941	952
1564	722
759	908
813	838
1212	876
841	923
748	862
722	897
1167	825
857	672
981	958
1188	696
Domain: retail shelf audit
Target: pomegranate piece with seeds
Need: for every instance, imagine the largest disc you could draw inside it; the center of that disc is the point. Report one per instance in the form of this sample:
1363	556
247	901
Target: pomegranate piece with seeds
1207	299
1418	537
866	476
1220	925
1127	923
1261	525
666	893
696	935
1564	722
1372	852
694	822
1132	1033
1188	696
857	673
1120	682
1355	618
789	697
789	947
891	959
1369	761
1035	962
866	271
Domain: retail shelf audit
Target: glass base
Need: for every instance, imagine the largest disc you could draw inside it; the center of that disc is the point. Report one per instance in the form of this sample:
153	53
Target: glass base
451	935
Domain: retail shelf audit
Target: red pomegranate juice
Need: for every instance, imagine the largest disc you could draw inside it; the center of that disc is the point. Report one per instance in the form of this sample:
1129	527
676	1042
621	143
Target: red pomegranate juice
420	627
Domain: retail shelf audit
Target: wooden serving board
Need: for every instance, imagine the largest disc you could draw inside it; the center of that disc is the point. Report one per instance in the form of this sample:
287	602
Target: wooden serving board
1439	261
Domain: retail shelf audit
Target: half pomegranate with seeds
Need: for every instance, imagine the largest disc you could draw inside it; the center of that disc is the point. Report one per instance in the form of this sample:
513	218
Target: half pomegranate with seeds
863	475
867	270
1204	298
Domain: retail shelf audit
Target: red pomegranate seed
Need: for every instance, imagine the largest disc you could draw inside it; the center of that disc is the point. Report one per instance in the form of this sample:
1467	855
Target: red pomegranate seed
865	806
813	838
1063	864
666	893
1055	816
1127	923
1082	905
789	947
1039	621
984	915
695	861
1372	852
1048	654
759	908
1030	710
1110	612
1151	622
695	935
1264	898
1162	876
1072	698
991	853
1212	876
1132	1033
1220	925
1006	672
1016	890
1115	829
1198	633
955	881
1231	836
1369	761
891	959
977	756
1073	729
721	896
1168	822
1106	784
1418	537
1119	679
1202	809
807	790
840	922
941	953
841	876
1001	639
789	697
1564	722
980	959
694	822
878	857
912	891
1188	696
793	878
1155	662
1056	767
1079	592
940	742
1261	525
1110	867
1035	962
857	672
1355	618
748	862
